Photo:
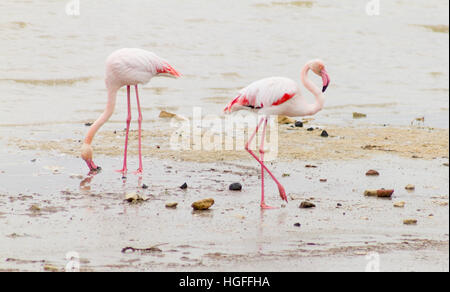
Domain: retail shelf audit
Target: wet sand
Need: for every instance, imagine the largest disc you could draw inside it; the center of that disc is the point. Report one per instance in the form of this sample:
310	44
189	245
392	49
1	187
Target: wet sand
49	206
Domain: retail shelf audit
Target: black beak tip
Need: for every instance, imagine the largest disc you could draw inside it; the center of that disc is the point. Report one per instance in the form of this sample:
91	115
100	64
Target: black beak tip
324	88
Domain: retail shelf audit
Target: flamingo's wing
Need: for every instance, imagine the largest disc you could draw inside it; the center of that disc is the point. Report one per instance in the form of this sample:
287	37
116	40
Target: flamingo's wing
265	93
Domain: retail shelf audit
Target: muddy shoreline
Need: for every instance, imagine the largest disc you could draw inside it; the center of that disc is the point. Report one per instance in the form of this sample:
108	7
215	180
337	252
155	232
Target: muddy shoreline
88	215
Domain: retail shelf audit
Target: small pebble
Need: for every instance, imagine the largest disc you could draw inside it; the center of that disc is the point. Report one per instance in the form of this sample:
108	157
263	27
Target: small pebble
410	221
235	187
324	134
306	205
372	172
88	124
399	204
144	186
171	205
410	187
204	204
184	186
310	129
299	124
297	224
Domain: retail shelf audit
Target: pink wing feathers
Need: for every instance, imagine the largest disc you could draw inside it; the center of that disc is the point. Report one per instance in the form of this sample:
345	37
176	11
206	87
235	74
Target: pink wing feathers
267	92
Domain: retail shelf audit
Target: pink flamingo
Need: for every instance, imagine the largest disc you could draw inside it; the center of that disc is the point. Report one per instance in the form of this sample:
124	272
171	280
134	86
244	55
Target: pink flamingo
279	96
128	67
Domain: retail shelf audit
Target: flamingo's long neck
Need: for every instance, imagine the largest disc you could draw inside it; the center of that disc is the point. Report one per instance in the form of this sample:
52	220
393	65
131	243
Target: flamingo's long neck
320	100
104	117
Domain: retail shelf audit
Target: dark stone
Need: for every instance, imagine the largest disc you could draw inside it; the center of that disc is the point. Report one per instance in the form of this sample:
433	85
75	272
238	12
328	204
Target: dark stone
299	124
88	124
144	186
297	224
183	186
339	204
310	129
306	205
235	187
324	134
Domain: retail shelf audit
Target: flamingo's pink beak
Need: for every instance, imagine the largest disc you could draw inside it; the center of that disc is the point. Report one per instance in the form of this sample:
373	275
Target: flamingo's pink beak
171	71
325	79
92	166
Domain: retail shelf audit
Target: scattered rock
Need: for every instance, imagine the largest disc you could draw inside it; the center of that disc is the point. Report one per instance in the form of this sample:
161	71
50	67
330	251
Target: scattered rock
235	187
297	224
382	193
310	129
286	174
410	187
324	134
306	205
339	205
51	268
149	249
88	124
204	204
310	166
171	205
184	186
34	208
167	115
283	120
445	164
323	180
135	198
299	124
410	221
399	204
357	115
372	172
144	186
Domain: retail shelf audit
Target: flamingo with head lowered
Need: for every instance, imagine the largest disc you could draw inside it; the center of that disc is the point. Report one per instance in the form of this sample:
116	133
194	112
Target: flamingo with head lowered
279	96
126	67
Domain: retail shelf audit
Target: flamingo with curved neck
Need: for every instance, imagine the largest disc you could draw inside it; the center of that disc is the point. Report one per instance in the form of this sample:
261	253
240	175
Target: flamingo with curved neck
126	67
279	96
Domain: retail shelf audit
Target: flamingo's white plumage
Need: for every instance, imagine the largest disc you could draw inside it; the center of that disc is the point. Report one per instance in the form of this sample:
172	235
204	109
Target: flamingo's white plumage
279	96
126	67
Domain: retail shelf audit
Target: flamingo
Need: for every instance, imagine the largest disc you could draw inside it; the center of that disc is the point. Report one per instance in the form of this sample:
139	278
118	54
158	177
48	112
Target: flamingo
279	96
126	67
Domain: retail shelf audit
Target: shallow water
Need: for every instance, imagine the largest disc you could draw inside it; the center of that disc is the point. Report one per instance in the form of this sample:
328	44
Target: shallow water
51	64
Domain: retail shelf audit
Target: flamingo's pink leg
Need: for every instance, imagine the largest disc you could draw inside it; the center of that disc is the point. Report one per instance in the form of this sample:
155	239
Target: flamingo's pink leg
124	169
261	153
139	171
280	187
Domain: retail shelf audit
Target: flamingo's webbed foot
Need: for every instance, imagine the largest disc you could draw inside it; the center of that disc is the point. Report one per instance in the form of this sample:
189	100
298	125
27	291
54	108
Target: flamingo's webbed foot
266	207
